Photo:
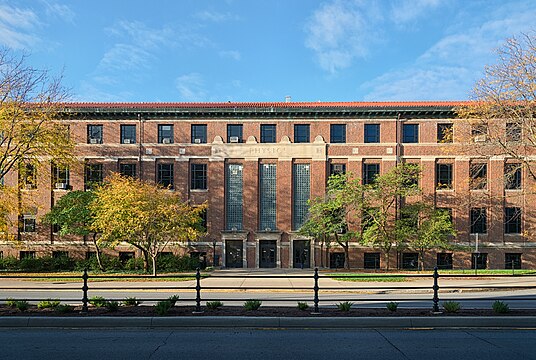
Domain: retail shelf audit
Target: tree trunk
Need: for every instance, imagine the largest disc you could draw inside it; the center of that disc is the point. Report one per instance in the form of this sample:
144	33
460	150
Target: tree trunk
387	259
346	256
421	260
145	260
153	258
97	252
322	254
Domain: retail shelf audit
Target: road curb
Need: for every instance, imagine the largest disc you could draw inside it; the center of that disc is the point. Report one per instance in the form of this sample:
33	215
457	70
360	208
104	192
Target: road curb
268	322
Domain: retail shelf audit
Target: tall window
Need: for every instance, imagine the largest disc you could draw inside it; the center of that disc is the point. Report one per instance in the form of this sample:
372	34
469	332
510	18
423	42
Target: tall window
267	195
512	176
372	133
94	134
93	176
479	176
234	133
301	189
479	133
512	220
336	169
27	223
233	197
479	221
337	133
512	261
370	172
164	175
128	170
371	260
128	134
60	176
198	173
268	133
199	133
479	261
165	134
28	176
410	133
444	133
301	133
444	261
513	132
443	176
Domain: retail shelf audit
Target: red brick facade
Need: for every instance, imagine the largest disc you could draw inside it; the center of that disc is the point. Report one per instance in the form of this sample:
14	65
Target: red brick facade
281	246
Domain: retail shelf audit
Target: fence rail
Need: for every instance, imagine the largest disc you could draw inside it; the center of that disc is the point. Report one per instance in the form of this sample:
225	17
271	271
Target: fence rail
431	291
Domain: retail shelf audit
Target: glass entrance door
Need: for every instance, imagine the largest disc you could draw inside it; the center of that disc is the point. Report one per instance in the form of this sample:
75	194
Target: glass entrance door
233	254
302	254
267	253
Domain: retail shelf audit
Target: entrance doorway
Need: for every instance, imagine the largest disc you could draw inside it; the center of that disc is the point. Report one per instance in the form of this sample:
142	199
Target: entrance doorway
233	254
267	253
302	258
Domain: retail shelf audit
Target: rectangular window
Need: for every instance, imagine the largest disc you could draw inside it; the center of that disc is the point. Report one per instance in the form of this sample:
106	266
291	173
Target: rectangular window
479	133
479	176
164	176
512	261
27	255
28	176
336	169
444	261
125	256
234	133
444	133
199	133
479	221
512	220
60	177
268	133
372	133
93	176
372	261
128	134
513	132
479	261
512	176
94	134
410	261
165	134
60	254
28	223
267	195
233	197
410	133
301	190
443	176
370	172
337	133
198	173
301	133
128	170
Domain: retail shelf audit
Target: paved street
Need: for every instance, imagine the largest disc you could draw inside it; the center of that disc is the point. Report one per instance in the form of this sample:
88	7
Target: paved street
240	344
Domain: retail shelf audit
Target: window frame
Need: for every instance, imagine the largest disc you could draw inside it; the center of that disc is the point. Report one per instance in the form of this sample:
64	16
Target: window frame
513	176
478	218
371	133
445	133
268	133
442	170
367	177
198	176
410	137
478	175
513	220
166	133
198	132
170	177
95	134
302	133
126	129
90	170
235	130
337	133
124	172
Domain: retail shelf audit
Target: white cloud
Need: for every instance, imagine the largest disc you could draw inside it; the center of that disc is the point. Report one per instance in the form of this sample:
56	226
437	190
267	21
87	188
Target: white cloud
191	87
342	30
137	32
62	11
125	57
17	27
404	11
230	54
214	16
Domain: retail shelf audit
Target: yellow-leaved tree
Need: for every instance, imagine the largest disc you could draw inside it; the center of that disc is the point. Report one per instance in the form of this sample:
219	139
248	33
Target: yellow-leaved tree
144	215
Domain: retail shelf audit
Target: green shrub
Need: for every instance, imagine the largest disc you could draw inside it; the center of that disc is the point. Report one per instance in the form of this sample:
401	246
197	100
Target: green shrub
345	305
162	307
252	305
133	264
9	263
11	302
112	305
47	304
64	308
173	299
22	305
500	307
303	306
172	263
131	301
392	306
213	305
452	306
97	301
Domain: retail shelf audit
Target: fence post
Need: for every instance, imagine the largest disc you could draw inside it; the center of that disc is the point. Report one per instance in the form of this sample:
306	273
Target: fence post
436	288
316	288
84	289
198	291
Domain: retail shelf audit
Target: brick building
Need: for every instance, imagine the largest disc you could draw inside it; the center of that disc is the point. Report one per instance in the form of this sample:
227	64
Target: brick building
257	164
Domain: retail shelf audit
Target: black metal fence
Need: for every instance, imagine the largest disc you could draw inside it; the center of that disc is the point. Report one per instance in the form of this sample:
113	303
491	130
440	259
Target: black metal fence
432	291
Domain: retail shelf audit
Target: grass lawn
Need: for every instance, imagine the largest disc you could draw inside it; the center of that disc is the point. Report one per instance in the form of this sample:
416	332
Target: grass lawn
366	277
76	276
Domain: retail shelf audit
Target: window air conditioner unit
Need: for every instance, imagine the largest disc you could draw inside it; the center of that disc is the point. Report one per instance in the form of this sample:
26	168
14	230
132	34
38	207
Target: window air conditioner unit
233	139
481	138
93	141
197	141
126	141
61	186
29	186
166	141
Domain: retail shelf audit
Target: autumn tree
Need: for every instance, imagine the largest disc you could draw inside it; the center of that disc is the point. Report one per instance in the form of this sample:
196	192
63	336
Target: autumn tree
144	215
74	216
30	129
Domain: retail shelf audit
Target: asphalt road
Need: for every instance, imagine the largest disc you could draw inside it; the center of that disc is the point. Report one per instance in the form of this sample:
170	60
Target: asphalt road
259	344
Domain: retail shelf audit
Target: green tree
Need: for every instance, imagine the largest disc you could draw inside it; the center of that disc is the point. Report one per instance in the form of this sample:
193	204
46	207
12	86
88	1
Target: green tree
73	214
144	215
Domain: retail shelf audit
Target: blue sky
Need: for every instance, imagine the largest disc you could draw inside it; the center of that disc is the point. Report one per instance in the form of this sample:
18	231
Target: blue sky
264	50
